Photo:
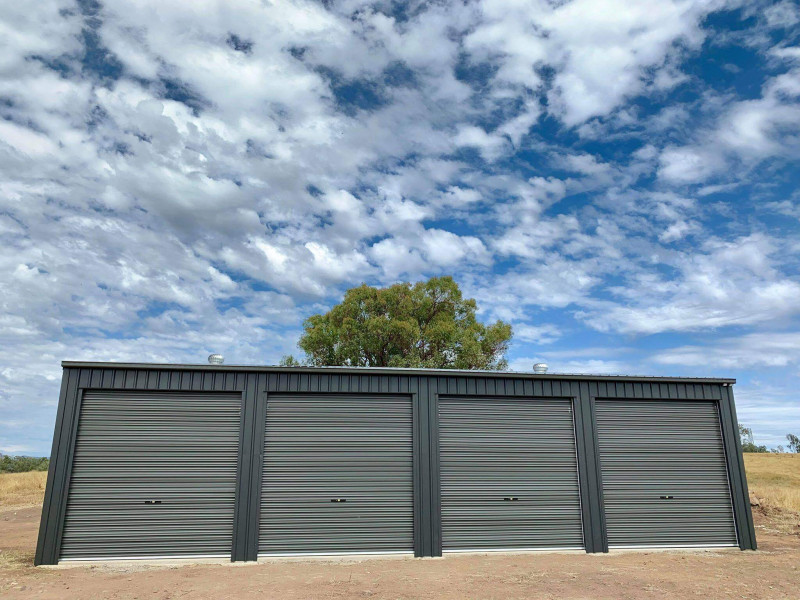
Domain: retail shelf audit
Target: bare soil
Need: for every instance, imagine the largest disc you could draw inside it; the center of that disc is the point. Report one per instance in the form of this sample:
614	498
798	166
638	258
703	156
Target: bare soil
771	572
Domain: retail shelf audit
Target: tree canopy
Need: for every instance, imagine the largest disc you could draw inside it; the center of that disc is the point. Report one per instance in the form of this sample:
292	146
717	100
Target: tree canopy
748	445
22	464
428	324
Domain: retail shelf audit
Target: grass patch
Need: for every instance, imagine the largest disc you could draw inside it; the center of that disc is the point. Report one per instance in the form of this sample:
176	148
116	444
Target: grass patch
775	478
12	559
22	489
774	482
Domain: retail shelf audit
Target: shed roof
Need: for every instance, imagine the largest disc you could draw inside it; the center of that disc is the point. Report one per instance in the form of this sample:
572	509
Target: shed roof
392	371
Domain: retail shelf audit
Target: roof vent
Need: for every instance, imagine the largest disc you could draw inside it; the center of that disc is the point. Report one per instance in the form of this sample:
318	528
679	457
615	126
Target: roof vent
540	368
216	359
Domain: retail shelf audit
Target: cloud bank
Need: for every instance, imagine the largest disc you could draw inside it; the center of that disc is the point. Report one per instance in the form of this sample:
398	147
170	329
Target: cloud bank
181	179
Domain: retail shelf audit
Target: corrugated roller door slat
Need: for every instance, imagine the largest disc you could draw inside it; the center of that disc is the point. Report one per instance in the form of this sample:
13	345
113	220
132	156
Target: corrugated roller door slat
665	482
509	474
337	475
153	474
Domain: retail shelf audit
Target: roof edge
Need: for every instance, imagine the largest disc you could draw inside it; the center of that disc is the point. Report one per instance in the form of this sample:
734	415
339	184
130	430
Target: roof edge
74	364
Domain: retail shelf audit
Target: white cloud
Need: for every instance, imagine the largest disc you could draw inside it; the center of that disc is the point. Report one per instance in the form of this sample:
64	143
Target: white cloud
48	32
554	283
730	283
397	258
677	230
584	367
784	207
419	251
606	46
24	140
782	14
536	334
458	196
584	163
774	349
759	128
769	408
332	266
600	50
748	131
531	238
491	147
17	449
687	165
195	197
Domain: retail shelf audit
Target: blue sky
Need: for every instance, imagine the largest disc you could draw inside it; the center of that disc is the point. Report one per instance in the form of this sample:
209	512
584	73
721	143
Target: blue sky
618	180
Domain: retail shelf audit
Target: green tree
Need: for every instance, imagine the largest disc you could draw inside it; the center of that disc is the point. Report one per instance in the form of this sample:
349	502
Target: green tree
428	324
794	442
287	360
22	464
748	445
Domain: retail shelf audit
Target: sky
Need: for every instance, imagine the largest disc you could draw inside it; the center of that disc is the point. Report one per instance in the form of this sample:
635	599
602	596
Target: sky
617	180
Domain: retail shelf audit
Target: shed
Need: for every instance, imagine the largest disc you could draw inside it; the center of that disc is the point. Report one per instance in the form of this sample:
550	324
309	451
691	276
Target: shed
168	460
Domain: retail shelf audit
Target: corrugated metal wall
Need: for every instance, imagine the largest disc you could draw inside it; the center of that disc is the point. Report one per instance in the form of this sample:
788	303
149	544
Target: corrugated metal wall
153	474
255	383
337	475
509	474
665	481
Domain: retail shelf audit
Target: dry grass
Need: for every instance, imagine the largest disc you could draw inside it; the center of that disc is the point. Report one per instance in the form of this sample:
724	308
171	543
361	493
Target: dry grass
12	559
774	482
22	489
775	478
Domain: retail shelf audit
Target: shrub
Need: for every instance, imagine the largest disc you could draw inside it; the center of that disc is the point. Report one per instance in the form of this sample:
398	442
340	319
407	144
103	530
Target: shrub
21	464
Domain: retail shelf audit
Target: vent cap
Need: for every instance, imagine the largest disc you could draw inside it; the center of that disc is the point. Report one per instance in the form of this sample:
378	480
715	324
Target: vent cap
540	368
216	359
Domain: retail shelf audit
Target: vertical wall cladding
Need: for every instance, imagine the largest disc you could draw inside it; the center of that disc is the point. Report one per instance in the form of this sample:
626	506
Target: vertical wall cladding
255	384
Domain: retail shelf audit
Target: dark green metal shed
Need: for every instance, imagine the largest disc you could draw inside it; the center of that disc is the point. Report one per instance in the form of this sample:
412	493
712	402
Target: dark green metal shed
159	460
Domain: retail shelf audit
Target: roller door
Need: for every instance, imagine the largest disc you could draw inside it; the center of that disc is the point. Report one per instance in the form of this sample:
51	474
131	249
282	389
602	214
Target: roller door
665	482
154	474
337	475
509	475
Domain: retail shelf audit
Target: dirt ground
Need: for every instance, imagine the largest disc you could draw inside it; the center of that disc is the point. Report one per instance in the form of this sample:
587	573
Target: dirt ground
771	572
